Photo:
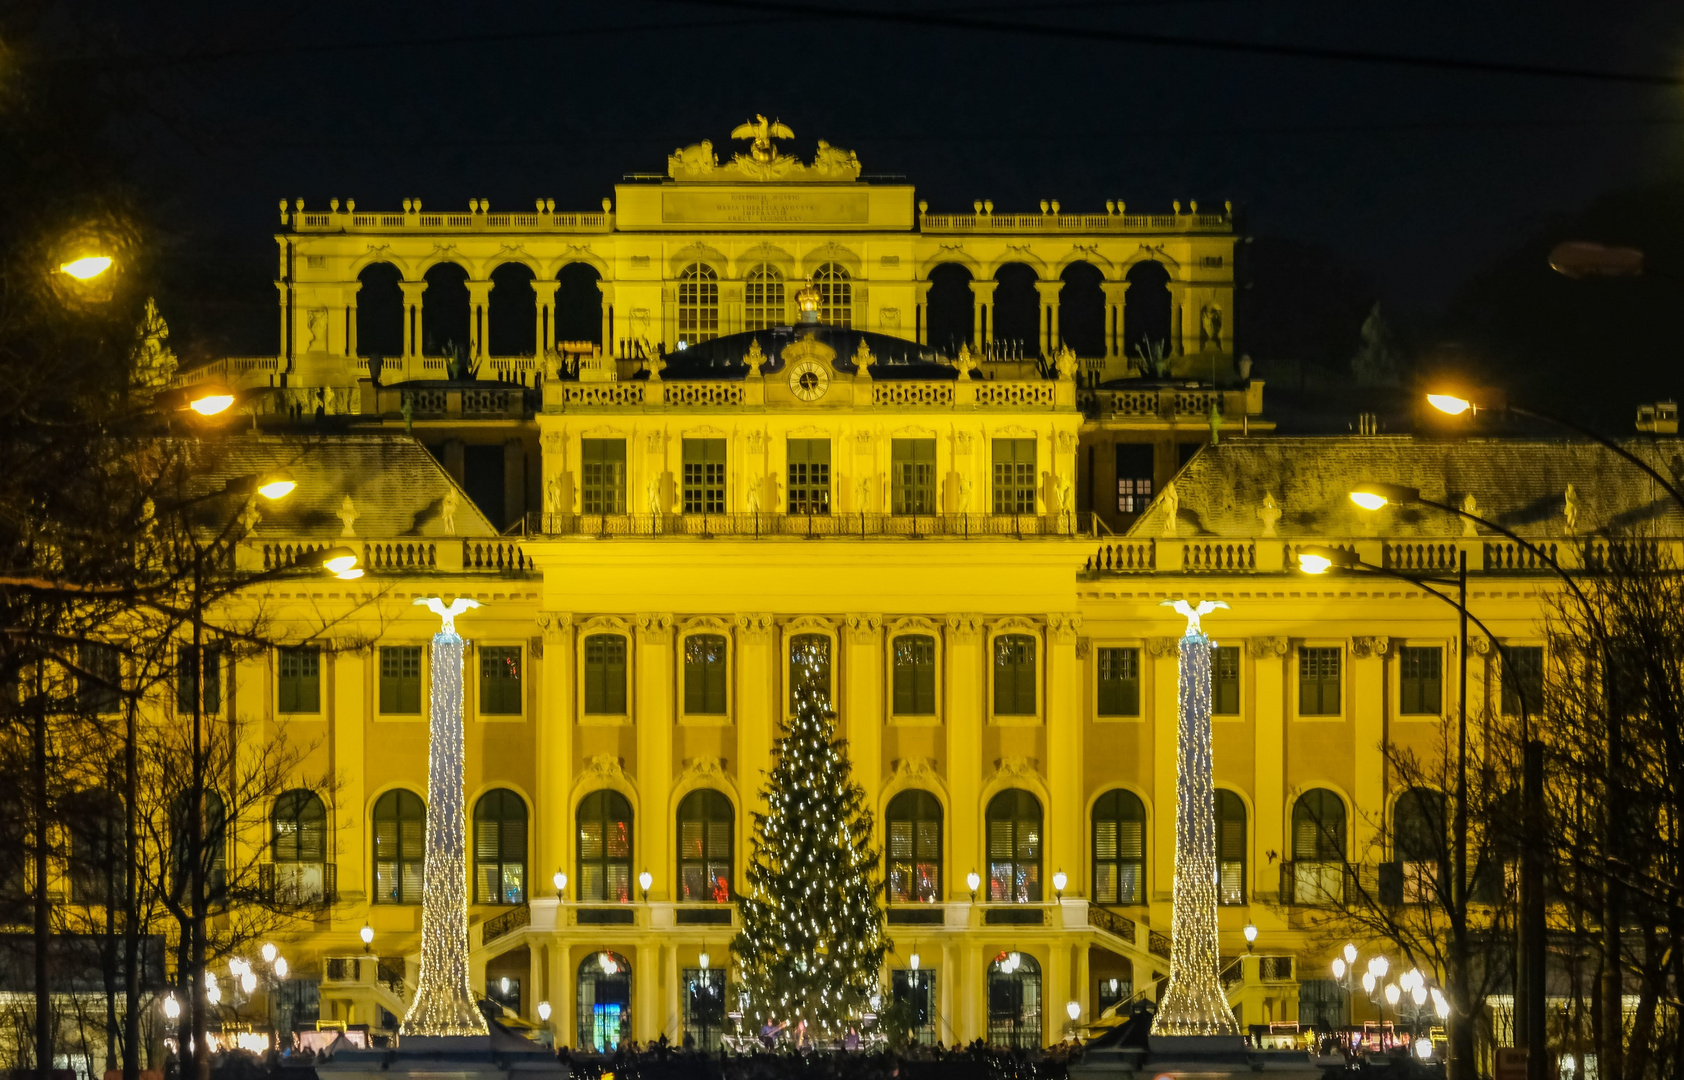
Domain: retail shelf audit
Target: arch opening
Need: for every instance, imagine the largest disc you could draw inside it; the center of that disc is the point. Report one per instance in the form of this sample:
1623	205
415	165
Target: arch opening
1081	309
1017	312
380	311
511	317
578	304
949	309
1146	313
445	315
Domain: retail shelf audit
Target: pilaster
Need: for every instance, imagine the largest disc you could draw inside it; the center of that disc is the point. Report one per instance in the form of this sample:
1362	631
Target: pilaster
755	699
412	291
479	301
553	714
982	312
1368	681
1116	311
544	329
1166	732
654	705
1268	657
862	699
1064	750
964	712
346	672
606	288
646	991
923	317
1049	291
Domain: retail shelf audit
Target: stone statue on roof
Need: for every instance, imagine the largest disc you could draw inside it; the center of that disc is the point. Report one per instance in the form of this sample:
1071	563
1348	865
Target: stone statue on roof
1269	513
1065	361
760	132
152	364
1171	502
1470	507
1570	510
347	517
447	511
754	358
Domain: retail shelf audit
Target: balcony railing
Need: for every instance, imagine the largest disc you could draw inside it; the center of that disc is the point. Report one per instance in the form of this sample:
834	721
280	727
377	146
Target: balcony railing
347	219
1086	223
816	526
506	923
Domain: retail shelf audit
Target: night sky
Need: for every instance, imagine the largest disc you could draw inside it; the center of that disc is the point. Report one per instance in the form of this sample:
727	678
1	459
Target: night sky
1414	178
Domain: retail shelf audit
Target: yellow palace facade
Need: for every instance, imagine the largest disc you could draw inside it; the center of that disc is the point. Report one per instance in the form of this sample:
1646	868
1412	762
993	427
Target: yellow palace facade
664	519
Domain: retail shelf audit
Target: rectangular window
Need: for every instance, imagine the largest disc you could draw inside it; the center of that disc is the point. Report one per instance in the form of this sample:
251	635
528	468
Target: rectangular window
400	679
915	675
704	674
1014	476
605	675
912	476
1318	682
98	682
1134	477
809	476
1014	675
300	678
809	668
499	680
1119	682
704	476
1420	684
1225	680
1522	678
187	679
602	466
915	995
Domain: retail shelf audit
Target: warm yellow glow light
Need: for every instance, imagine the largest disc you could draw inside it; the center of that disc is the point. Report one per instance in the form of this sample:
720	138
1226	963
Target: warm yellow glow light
278	488
90	267
1314	564
1369	500
212	403
350	575
339	560
1449	403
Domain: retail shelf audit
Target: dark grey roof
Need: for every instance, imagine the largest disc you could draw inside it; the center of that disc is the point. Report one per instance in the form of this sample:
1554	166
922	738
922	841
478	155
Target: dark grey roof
1518	483
722	357
396	486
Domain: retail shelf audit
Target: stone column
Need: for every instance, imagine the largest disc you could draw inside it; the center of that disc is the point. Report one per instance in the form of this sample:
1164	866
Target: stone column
412	291
646	991
1055	992
982	312
609	346
544	330
1269	656
673	1022
1368	680
1178	330
1116	307
284	349
1049	291
654	708
564	973
479	302
352	289
1064	752
964	718
862	700
553	713
756	702
923	318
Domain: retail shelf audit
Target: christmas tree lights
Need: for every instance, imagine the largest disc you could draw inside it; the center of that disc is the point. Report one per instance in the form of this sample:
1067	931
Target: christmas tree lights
444	1003
811	944
1194	1002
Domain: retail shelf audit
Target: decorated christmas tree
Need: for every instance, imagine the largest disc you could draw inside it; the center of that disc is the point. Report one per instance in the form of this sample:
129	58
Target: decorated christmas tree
811	947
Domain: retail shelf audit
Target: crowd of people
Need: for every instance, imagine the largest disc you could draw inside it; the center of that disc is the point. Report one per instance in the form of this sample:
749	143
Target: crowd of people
660	1060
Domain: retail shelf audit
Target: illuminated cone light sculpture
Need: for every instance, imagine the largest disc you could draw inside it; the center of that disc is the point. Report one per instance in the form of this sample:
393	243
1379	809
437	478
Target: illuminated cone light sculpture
1194	1003
444	1004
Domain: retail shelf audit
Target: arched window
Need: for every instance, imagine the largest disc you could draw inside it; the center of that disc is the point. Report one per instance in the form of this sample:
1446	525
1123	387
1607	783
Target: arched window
1014	1001
809	668
914	849
1014	848
763	298
605	1002
380	311
1318	848
704	847
400	837
698	304
215	836
96	863
1119	848
1419	830
299	847
1230	848
605	848
500	848
836	295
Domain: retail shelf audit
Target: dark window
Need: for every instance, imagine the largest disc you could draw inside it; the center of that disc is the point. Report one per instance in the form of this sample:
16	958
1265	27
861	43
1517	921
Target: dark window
914	851
1230	848
605	848
1522	677
483	471
1134	477
704	674
1014	1002
1119	848
187	678
1014	476
300	679
704	1003
912	476
809	668
1014	675
915	674
1225	679
95	832
704	847
704	476
1419	682
1318	682
100	681
214	833
1184	452
605	674
1014	848
809	476
603	476
299	846
499	680
1318	848
698	304
400	678
1419	844
400	835
914	994
1119	682
500	848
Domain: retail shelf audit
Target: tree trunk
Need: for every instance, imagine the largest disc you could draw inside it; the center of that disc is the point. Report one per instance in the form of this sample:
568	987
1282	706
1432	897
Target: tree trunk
131	902
43	907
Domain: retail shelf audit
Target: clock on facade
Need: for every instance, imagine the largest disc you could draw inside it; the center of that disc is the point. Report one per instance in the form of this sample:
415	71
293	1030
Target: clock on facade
808	380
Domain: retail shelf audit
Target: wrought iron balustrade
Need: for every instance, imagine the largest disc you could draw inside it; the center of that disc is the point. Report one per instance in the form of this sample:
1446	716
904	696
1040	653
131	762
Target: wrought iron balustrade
817	526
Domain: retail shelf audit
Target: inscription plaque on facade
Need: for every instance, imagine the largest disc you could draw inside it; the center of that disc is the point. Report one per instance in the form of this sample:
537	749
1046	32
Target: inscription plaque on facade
776	207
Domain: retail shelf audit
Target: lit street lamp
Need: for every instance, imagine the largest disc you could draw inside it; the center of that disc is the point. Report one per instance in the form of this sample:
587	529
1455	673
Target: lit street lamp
86	268
974	881
644	880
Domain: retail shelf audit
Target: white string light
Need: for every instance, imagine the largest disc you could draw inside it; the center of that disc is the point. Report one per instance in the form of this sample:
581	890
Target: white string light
1194	1002
444	1003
